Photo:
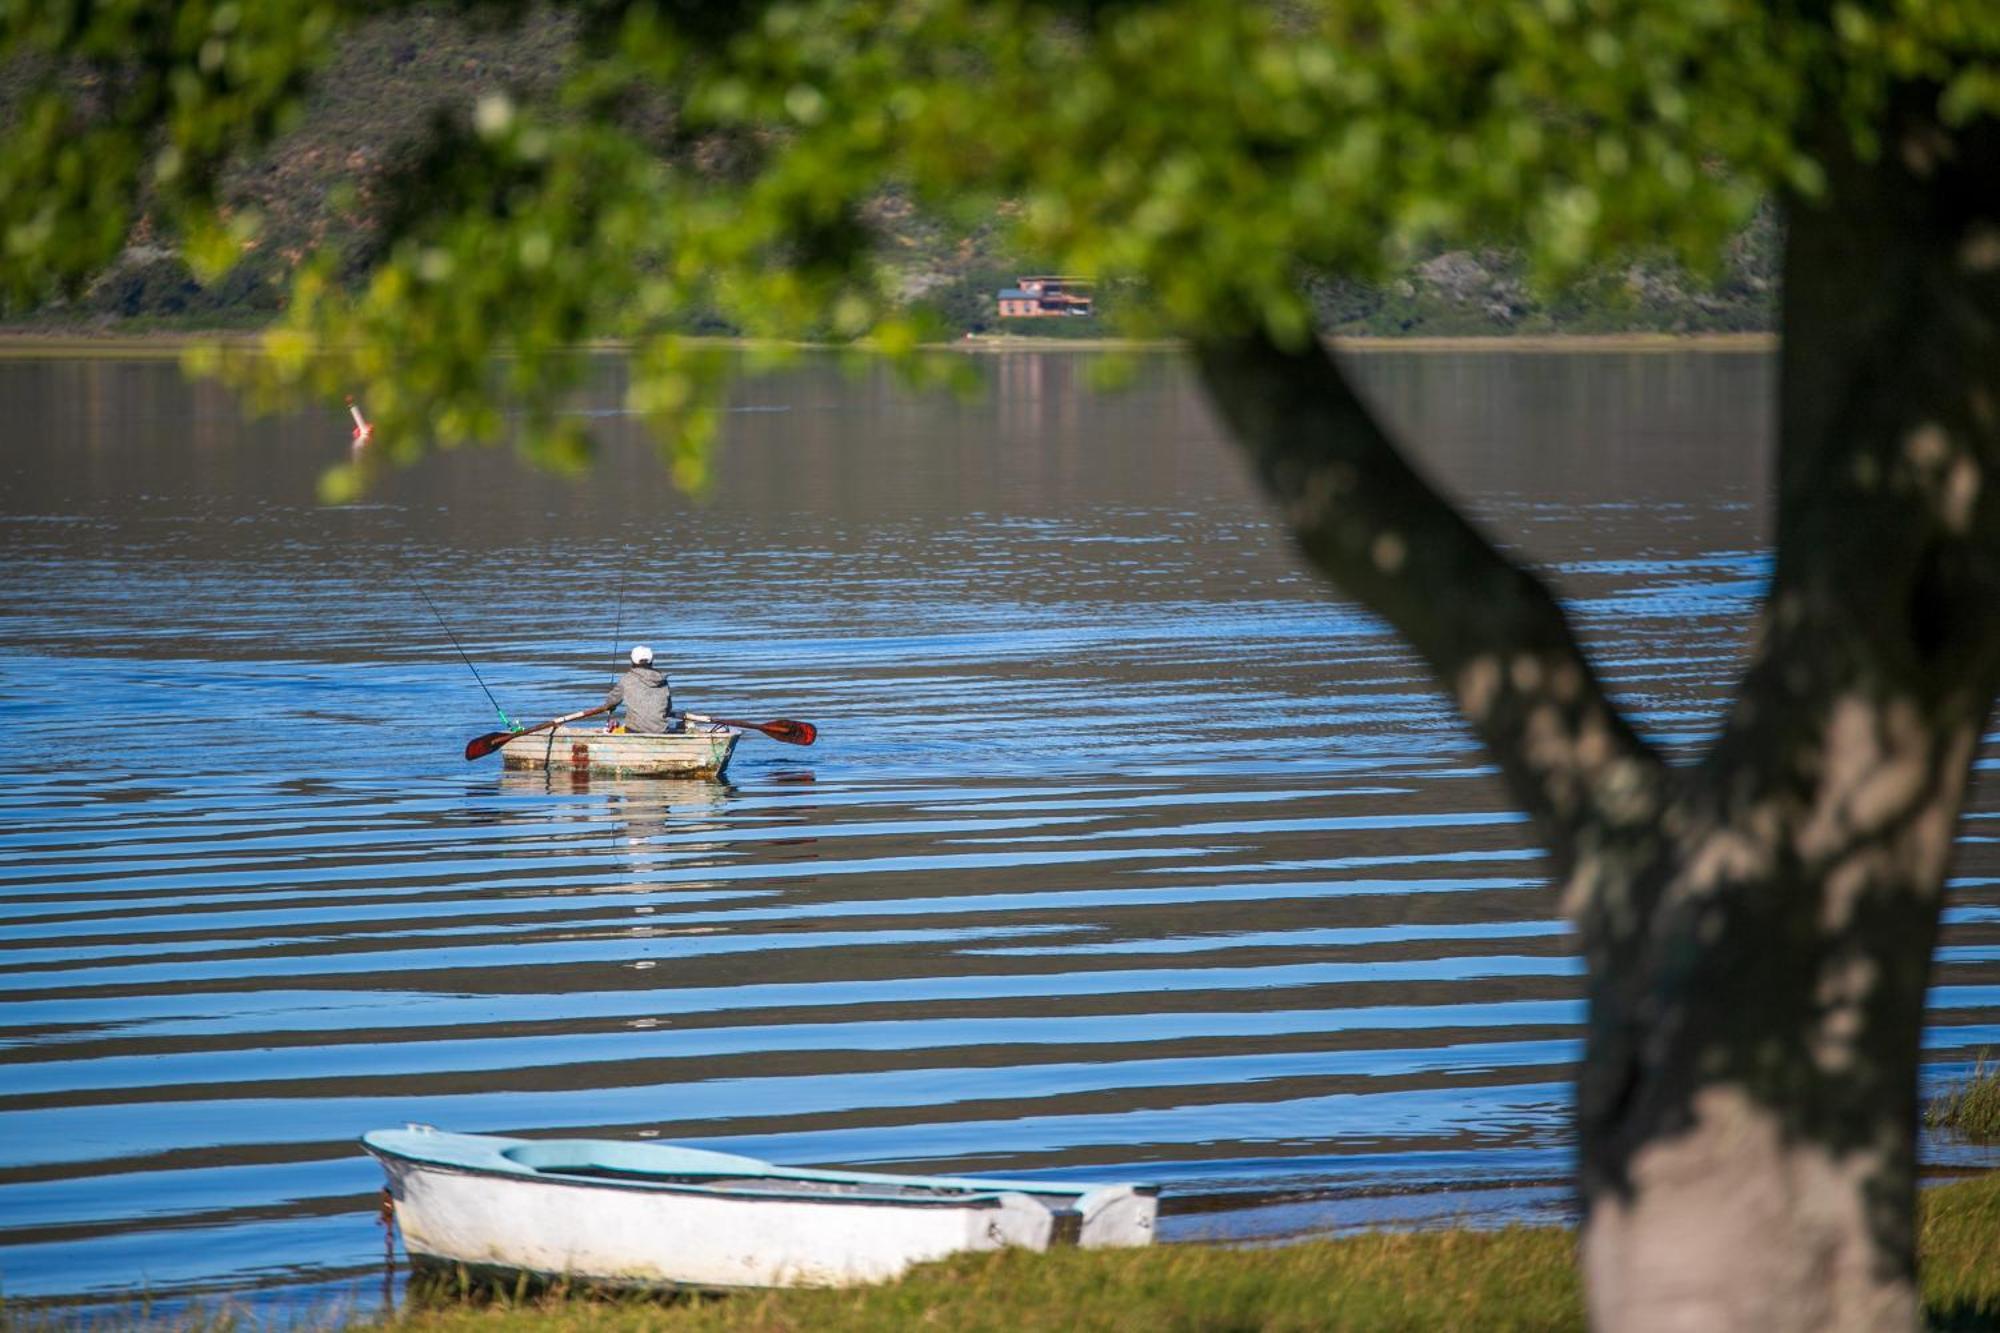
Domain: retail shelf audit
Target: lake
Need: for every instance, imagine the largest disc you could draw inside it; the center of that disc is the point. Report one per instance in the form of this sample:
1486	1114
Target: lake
1127	850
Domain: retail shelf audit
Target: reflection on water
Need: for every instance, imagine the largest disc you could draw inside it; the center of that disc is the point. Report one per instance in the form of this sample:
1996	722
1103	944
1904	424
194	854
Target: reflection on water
651	823
1124	851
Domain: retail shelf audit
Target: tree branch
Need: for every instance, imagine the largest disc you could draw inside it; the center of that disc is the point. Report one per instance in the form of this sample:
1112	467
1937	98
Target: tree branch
1489	628
1888	568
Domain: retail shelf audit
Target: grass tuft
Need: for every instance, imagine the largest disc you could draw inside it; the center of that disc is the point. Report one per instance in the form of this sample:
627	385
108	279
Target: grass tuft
1971	1108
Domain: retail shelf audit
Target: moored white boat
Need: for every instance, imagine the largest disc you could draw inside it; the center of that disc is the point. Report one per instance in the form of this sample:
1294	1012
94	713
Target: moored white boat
654	1214
698	752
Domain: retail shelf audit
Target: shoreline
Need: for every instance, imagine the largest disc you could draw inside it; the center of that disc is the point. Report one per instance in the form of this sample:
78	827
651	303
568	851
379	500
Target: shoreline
1427	342
25	344
1523	1277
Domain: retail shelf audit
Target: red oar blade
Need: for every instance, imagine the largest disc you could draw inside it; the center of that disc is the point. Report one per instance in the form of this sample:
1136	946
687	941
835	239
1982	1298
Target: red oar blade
790	732
481	746
783	729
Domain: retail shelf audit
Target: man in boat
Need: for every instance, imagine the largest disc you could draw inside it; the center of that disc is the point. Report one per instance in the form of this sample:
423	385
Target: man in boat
648	698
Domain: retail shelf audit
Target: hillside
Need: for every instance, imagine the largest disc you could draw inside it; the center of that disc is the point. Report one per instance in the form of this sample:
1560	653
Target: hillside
370	111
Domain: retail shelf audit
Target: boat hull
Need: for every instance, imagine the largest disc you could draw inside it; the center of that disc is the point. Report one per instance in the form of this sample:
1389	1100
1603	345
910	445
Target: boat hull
701	753
665	1216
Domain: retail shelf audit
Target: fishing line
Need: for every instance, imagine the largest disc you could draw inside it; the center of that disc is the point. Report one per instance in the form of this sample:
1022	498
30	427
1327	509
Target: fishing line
618	621
617	628
505	721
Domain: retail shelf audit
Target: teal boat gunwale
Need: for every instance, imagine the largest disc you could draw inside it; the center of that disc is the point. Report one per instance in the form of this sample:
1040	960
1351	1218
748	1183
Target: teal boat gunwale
495	1156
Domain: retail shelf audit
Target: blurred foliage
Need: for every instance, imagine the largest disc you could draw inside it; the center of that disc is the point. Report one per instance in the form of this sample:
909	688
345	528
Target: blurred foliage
1226	165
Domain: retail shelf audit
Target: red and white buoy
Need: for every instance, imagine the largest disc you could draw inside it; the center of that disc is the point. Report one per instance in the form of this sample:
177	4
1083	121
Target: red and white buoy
363	430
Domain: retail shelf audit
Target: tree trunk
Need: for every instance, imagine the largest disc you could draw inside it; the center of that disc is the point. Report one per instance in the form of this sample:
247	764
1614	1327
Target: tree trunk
1757	926
1748	1112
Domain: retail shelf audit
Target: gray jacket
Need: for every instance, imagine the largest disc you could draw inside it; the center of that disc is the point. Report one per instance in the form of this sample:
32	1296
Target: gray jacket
648	700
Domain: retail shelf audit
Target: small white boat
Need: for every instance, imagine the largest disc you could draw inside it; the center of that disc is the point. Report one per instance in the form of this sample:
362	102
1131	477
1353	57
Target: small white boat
649	1214
698	752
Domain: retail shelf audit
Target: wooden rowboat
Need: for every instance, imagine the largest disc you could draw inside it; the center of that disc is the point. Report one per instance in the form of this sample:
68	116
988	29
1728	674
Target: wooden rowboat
649	1214
698	752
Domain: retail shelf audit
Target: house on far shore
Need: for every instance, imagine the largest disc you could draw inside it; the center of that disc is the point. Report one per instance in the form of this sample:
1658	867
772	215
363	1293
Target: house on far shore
1045	296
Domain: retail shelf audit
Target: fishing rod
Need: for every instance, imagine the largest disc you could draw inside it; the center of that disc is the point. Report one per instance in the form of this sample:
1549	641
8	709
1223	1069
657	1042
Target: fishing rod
505	721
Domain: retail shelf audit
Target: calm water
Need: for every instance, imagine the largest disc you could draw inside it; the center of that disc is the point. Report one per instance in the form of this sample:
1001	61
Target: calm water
1126	851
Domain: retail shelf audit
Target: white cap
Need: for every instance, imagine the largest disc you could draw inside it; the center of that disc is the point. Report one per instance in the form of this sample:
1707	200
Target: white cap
641	655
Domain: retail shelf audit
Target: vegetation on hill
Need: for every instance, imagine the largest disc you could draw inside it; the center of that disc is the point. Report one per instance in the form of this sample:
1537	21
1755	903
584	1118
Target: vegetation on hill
367	114
365	119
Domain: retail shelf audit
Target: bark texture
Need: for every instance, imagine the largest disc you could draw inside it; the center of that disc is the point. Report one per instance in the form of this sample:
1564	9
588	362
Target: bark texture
1757	925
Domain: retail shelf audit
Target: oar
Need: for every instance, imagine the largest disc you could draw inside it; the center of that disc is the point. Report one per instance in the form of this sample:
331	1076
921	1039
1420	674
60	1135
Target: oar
481	746
780	729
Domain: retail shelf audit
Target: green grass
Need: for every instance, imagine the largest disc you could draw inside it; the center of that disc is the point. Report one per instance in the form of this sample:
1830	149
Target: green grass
1515	1279
1519	1278
1971	1108
1958	1245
